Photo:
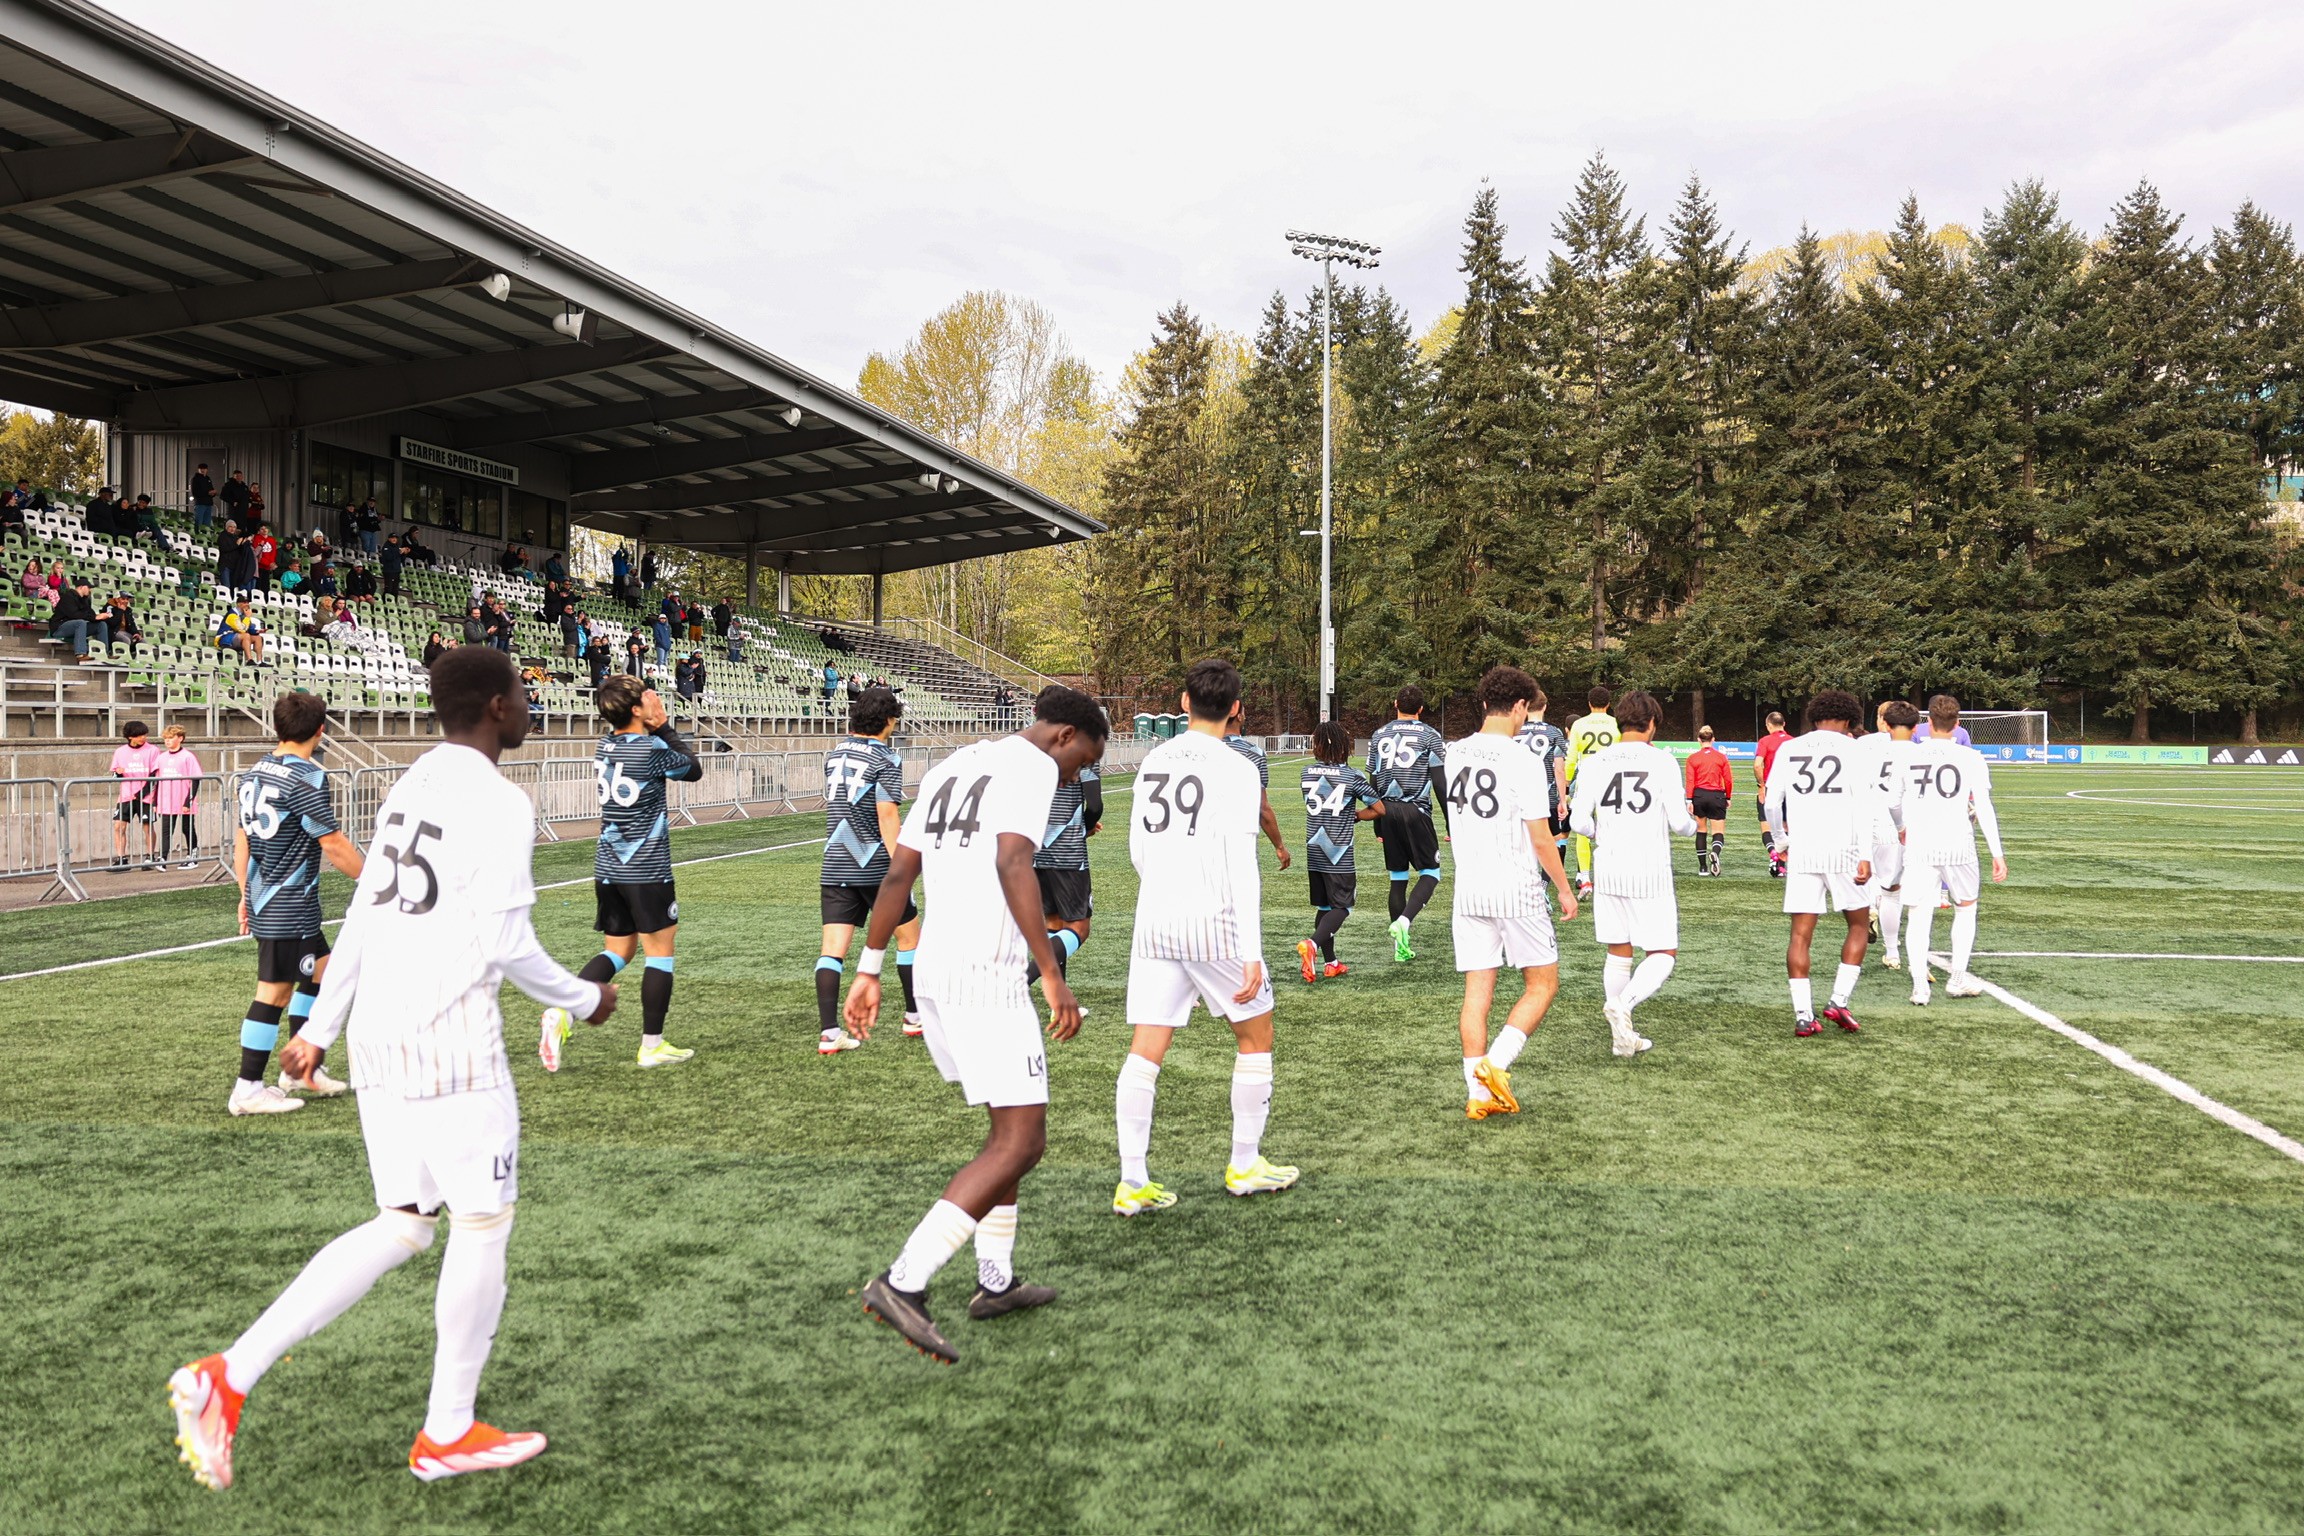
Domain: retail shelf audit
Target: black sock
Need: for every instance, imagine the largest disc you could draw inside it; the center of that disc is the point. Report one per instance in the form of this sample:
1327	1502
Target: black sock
904	979
828	996
655	1000
1324	931
1699	850
1396	897
1425	886
253	1061
1767	839
600	968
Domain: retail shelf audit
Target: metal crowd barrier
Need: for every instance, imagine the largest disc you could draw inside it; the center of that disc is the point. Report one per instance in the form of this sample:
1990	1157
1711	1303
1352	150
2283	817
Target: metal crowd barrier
86	811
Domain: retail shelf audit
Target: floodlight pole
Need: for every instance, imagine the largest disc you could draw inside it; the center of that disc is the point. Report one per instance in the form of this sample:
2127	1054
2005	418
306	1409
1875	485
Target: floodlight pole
1328	250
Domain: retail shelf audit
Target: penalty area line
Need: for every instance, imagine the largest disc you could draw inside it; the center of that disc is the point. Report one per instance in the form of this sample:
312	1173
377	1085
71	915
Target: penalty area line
2092	954
2174	1087
242	938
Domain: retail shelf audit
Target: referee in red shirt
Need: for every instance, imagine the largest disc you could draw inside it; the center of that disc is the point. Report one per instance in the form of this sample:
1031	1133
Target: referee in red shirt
1710	783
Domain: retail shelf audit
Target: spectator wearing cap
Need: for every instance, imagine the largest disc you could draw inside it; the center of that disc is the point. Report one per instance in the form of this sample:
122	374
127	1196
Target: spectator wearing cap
117	623
202	494
240	630
660	630
134	763
73	620
147	524
371	527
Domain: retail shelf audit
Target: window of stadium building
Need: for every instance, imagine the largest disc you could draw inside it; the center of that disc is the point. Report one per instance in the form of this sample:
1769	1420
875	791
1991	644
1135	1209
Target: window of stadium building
538	520
341	475
443	500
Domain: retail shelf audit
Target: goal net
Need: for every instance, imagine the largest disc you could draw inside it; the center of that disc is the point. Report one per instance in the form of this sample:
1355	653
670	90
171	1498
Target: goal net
2026	729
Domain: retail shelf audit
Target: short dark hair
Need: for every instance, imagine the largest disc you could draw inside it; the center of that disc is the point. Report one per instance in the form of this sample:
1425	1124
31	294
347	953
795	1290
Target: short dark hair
1899	715
1597	696
1503	687
1409	700
1943	712
1331	743
1540	703
1835	704
871	712
135	728
465	679
617	698
1638	710
1213	686
1059	705
298	716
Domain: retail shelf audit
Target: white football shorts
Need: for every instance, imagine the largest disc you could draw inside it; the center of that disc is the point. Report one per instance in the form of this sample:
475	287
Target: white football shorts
1946	884
1887	864
1491	943
1162	991
1644	922
1812	892
461	1150
997	1055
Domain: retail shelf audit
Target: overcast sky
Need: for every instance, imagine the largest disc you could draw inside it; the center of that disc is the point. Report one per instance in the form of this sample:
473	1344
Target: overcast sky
822	178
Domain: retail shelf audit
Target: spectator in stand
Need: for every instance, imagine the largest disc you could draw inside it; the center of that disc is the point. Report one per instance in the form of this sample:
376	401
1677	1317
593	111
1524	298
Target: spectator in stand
684	677
29	499
635	655
723	616
133	764
620	575
661	631
72	620
735	643
417	551
101	516
511	562
348	524
696	616
234	495
240	630
831	683
292	578
267	551
11	512
371	527
432	649
532	682
324	583
500	626
475	626
176	796
342	627
648	571
392	559
202	495
117	623
256	502
147	524
57	581
570	629
596	656
361	584
35	582
228	555
555	568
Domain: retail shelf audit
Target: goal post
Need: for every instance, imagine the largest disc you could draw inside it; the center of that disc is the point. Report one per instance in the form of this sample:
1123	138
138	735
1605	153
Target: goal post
2024	729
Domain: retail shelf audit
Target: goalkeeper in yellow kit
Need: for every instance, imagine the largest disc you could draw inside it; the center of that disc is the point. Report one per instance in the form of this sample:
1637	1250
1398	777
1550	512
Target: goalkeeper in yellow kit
1596	732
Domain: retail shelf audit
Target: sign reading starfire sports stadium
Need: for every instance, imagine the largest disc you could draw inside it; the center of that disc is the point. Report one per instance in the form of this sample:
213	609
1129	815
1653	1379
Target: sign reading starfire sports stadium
416	452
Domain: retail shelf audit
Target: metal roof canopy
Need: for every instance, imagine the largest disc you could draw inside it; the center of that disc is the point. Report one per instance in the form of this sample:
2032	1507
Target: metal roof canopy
181	253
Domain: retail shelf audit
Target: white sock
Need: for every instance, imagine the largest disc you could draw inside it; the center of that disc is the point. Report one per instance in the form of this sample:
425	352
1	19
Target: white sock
936	1239
1251	1104
996	1248
1647	981
465	1313
1615	975
337	1276
1844	983
1803	1000
1506	1047
1891	913
1919	918
1132	1108
1963	937
650	1042
1472	1083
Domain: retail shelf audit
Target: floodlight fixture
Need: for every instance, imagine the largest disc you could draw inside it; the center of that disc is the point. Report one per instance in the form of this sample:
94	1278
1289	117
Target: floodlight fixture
497	285
790	415
574	323
1328	250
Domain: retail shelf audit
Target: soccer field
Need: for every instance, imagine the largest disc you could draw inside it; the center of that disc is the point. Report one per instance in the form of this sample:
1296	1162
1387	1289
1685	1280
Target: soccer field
1956	1273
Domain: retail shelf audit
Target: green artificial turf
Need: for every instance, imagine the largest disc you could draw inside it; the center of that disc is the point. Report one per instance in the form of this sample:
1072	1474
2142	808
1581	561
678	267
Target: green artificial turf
1952	1274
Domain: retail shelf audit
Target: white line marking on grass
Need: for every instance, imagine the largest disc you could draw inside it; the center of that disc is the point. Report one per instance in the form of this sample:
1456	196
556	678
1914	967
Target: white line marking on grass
2174	1087
2101	797
242	938
2095	954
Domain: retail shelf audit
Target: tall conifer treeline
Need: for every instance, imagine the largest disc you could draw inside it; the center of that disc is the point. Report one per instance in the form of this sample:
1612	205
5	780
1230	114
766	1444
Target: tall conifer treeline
2014	465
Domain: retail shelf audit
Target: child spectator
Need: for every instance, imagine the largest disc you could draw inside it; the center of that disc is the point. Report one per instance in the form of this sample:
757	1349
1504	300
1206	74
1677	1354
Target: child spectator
133	764
177	776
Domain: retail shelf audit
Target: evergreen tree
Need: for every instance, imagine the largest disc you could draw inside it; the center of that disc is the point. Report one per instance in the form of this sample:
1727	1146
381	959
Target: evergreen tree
2166	574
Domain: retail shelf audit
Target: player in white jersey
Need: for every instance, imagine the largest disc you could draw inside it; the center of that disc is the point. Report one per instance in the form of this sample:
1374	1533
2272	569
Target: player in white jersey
1199	937
439	920
1499	821
971	834
1629	803
1828	814
1883	757
1945	785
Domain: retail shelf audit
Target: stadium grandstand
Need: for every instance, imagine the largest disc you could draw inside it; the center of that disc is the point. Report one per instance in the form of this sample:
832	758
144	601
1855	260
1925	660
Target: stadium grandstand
221	279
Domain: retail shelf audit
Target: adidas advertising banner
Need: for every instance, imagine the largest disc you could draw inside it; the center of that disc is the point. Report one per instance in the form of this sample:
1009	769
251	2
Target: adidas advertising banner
2144	754
2258	757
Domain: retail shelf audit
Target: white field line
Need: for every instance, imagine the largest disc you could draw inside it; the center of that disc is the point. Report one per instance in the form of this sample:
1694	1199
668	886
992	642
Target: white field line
2097	954
2120	797
2177	1088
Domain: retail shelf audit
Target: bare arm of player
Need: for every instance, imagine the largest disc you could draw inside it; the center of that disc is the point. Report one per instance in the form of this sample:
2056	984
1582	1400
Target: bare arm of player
891	822
1269	820
1021	886
528	967
1677	816
240	871
1548	856
863	1007
1988	822
342	854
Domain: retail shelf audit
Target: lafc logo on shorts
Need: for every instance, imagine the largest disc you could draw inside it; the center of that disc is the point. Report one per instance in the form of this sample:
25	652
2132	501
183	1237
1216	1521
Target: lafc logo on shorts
308	963
673	911
1036	1066
500	1167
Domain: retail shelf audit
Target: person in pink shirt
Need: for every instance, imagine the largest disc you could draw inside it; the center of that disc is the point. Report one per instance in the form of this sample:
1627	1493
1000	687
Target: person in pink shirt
176	780
35	580
134	764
